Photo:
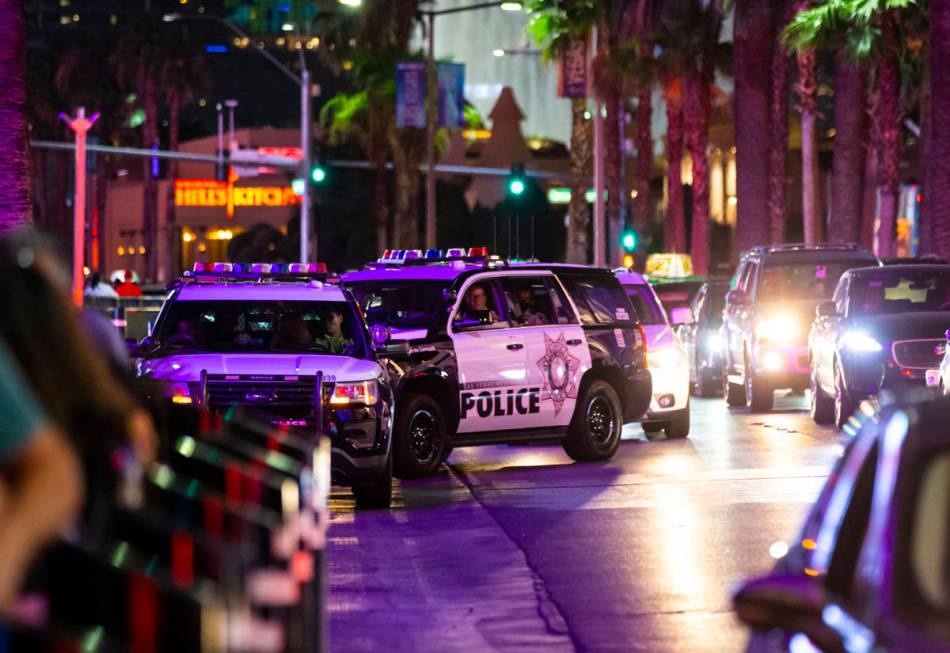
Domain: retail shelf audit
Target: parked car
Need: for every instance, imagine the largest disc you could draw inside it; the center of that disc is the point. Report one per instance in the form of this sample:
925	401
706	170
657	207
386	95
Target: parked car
677	296
769	312
669	366
868	573
884	327
702	338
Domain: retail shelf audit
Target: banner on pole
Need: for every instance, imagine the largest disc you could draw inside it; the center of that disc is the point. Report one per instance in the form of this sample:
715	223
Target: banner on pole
451	94
573	72
411	94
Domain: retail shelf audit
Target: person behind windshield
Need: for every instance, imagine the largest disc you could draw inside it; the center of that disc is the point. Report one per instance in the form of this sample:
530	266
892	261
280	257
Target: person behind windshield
292	334
475	304
334	341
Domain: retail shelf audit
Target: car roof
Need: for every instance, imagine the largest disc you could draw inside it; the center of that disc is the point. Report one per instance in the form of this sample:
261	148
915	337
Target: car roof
909	267
630	278
795	253
237	291
434	272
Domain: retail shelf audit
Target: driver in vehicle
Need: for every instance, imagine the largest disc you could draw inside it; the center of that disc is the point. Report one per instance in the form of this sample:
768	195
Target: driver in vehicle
475	304
334	342
292	333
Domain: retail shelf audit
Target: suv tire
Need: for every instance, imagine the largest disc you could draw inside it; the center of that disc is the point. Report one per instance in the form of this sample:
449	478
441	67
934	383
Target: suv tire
822	406
594	433
379	493
733	392
759	395
843	404
419	437
678	426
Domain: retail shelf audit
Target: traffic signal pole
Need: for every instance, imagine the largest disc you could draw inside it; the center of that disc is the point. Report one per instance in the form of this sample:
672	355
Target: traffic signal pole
305	127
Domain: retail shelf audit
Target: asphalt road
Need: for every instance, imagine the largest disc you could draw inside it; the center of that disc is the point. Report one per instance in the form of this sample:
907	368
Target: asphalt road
519	548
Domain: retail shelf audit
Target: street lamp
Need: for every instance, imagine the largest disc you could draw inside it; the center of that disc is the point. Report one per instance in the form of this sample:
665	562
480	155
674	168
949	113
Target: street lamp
432	103
303	80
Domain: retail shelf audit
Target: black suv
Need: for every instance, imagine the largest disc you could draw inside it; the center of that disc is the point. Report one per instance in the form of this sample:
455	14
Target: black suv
769	312
505	353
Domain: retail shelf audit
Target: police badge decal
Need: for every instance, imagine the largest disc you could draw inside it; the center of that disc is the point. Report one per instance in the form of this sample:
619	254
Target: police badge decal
559	371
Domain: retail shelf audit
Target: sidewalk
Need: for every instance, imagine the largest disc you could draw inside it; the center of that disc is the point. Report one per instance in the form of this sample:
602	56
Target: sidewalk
438	574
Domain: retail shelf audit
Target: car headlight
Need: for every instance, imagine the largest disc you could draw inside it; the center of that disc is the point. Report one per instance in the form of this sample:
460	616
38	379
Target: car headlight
358	392
665	358
778	328
858	342
714	341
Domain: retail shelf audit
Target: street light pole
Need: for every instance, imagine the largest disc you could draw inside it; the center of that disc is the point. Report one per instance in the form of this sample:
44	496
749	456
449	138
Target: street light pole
80	126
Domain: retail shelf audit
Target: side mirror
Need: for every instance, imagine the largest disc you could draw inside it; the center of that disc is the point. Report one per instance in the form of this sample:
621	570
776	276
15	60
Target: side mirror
380	334
737	297
681	315
827	309
397	350
790	602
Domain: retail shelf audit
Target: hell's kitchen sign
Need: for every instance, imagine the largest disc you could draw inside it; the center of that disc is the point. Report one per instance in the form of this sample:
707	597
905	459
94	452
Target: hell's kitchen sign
210	192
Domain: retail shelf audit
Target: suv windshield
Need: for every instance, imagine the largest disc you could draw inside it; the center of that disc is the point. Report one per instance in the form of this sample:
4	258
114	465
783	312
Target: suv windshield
790	281
262	327
900	291
400	304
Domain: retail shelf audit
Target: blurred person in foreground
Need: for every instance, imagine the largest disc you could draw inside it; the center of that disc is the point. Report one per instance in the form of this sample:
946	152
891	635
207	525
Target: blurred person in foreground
69	375
41	486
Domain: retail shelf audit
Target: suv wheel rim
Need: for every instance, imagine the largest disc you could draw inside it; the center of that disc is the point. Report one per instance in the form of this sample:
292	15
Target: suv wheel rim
600	419
423	436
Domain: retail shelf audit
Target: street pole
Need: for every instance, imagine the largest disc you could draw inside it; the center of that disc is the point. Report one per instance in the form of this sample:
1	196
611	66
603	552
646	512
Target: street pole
432	94
219	168
80	126
231	105
599	208
307	163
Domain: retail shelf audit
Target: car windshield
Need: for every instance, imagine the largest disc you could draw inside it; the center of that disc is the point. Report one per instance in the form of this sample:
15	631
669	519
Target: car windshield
262	327
677	295
892	291
645	305
791	281
400	304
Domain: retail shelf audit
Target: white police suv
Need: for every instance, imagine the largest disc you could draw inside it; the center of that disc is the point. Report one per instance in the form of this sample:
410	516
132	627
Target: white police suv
288	347
505	353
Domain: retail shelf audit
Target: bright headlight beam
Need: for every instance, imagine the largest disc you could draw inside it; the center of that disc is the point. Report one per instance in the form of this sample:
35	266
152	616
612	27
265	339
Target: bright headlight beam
857	341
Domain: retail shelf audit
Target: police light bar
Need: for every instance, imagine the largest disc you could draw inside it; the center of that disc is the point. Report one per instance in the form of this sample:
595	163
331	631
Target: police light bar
433	253
455	252
478	251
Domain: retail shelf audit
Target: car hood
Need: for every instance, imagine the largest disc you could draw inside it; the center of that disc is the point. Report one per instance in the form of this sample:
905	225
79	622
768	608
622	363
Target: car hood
904	326
188	367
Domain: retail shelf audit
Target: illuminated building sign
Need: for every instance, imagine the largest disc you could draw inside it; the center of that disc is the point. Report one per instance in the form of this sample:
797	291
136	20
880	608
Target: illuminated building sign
209	192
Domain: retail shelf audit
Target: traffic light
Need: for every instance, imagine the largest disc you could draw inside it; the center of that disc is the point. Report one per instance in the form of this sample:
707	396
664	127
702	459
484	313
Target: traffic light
318	174
629	240
628	261
516	180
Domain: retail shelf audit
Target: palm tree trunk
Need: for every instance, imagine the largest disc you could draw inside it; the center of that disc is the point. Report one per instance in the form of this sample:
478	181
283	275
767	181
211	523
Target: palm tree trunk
171	228
848	165
778	144
613	174
16	204
938	168
40	188
926	233
644	138
888	115
696	112
674	236
869	195
753	34
581	156
807	88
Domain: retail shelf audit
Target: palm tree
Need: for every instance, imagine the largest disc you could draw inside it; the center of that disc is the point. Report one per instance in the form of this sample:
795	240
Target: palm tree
183	76
778	144
16	203
644	142
938	174
753	36
556	26
807	89
868	32
848	164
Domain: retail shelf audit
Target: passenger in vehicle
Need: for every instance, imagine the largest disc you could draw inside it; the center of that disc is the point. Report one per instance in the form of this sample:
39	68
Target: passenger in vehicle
292	334
334	341
534	310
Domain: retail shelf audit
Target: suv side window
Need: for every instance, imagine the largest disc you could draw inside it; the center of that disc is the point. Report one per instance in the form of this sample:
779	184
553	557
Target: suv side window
747	281
697	307
841	296
598	301
483	306
536	301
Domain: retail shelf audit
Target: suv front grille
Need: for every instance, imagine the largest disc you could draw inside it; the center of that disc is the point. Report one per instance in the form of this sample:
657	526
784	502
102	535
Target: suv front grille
265	394
921	354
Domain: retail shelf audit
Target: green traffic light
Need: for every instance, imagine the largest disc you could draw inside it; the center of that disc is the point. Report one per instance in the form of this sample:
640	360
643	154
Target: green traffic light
318	174
629	240
516	186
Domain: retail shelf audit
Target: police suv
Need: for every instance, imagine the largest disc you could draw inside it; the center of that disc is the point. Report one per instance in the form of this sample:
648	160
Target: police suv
504	353
279	342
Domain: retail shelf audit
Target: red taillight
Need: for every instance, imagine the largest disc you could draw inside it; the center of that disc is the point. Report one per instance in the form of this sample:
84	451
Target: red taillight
643	342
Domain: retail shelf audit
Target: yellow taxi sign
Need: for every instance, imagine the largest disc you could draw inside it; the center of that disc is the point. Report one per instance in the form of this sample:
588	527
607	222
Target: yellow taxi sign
669	265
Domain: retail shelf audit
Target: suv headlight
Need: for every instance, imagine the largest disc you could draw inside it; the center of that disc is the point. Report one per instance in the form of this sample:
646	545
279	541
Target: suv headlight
778	328
358	392
666	358
858	342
